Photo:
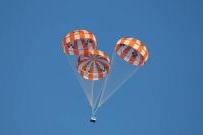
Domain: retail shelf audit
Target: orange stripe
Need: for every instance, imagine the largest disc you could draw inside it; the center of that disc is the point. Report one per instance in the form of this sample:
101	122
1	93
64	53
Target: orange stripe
91	37
141	62
131	43
118	46
139	49
145	55
82	34
72	37
122	40
132	58
96	52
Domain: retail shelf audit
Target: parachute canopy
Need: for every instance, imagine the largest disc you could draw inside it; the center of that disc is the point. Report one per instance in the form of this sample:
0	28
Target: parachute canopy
76	41
93	64
132	51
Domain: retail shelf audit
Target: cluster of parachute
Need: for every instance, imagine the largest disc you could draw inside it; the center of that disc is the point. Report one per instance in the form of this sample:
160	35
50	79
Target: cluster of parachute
92	66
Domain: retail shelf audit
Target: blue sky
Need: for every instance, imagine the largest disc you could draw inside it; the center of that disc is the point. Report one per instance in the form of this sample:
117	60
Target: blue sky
39	94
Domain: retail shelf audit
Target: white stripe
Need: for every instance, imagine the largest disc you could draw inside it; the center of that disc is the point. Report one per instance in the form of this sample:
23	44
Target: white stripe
146	58
144	47
142	52
104	73
138	42
88	68
127	56
95	70
130	38
101	66
100	53
137	60
70	50
87	35
80	45
77	35
126	42
119	42
121	49
67	40
136	46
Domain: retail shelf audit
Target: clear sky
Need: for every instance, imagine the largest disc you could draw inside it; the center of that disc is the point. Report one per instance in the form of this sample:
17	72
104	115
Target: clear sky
39	94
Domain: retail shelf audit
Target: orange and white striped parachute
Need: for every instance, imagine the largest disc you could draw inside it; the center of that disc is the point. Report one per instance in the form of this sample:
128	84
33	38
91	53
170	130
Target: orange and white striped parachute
93	65
132	54
99	76
132	51
78	40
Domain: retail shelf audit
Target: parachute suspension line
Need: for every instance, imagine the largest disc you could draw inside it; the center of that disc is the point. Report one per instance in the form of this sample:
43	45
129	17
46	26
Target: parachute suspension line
103	99
98	99
96	103
114	90
81	82
92	97
104	85
100	95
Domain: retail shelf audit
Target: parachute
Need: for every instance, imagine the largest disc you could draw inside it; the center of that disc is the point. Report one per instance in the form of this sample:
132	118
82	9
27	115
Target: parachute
99	76
132	51
78	40
129	55
93	65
